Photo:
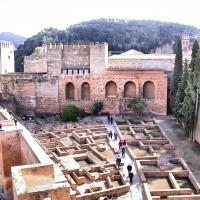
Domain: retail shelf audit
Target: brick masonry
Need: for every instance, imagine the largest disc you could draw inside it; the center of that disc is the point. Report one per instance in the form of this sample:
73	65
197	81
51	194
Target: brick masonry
46	92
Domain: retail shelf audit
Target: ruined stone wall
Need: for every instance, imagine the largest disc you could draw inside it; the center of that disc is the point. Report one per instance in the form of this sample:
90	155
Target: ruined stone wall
32	93
47	96
10	155
27	154
35	66
115	104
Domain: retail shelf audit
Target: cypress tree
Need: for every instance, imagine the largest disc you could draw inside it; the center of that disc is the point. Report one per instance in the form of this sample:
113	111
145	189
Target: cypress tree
177	75
189	103
181	92
195	49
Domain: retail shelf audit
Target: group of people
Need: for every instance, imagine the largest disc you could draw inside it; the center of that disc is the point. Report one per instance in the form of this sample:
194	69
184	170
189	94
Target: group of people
111	134
122	150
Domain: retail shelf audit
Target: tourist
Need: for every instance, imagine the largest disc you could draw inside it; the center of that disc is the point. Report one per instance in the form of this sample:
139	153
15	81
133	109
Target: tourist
111	134
131	177
115	136
129	168
111	120
15	122
123	151
124	143
118	161
120	144
108	118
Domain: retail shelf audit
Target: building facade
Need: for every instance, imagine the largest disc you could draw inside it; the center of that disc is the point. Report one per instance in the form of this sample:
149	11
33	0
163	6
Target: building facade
81	74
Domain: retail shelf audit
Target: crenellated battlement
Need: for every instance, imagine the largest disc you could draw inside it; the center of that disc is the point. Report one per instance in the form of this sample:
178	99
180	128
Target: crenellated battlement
59	46
6	44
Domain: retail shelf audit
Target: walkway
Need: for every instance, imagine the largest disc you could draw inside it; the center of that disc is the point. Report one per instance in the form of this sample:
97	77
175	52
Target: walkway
136	188
185	147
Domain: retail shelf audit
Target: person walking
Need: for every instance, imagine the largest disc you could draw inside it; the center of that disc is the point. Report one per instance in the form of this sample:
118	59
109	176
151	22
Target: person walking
120	144
111	134
124	142
123	151
108	118
111	120
118	161
129	168
115	136
15	122
131	177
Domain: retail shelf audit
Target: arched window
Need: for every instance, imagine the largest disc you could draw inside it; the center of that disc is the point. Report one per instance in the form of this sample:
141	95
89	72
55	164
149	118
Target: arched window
148	90
85	91
69	91
130	89
111	89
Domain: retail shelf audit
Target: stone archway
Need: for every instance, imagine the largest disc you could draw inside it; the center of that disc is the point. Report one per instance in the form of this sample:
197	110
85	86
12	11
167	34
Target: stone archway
149	90
85	91
111	89
130	89
69	91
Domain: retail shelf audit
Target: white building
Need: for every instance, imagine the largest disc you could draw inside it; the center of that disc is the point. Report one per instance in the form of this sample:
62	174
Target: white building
6	57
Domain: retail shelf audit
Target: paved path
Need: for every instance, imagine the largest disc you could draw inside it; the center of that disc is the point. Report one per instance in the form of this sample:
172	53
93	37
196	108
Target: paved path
136	188
185	147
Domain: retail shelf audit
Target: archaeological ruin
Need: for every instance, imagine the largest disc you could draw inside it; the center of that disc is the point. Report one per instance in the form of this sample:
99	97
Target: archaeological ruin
45	159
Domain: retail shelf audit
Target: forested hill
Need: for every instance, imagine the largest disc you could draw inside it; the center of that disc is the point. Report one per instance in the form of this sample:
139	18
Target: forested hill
121	35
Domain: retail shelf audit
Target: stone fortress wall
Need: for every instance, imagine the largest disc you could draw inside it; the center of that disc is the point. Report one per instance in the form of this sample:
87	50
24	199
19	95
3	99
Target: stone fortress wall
57	75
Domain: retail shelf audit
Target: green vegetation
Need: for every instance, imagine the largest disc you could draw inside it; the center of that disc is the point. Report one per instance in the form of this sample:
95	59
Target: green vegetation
186	96
121	35
97	107
71	114
177	76
138	106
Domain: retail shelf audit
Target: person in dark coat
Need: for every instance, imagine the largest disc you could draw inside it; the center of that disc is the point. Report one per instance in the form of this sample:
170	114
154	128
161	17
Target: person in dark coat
15	122
129	168
111	120
115	136
131	177
123	151
118	161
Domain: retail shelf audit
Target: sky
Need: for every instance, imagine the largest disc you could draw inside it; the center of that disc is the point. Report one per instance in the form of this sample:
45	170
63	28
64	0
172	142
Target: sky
27	17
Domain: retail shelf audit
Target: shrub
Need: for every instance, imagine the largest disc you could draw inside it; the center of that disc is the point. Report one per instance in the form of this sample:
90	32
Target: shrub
137	105
70	113
97	107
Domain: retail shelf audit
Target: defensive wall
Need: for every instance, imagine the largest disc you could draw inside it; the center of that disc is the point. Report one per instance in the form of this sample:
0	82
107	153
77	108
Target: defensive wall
57	75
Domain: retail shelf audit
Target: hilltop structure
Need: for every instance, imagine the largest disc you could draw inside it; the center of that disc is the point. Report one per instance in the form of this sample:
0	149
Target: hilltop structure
6	57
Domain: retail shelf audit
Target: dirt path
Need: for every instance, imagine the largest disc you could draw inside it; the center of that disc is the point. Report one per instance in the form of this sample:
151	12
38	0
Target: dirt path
185	147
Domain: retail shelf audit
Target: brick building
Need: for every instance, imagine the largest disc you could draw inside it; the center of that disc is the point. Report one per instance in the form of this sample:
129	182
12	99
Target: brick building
57	75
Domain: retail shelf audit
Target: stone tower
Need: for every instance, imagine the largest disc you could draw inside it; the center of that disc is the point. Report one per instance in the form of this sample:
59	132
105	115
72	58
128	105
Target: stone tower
186	42
6	57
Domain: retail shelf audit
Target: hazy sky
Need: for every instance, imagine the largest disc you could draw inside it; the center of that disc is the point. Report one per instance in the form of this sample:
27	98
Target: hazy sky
27	17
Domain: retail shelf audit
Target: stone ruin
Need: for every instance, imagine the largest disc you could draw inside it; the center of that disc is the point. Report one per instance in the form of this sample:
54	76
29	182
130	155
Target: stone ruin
164	174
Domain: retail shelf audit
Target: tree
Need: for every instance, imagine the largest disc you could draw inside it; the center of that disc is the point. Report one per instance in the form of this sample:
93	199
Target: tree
177	75
193	84
181	93
138	106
